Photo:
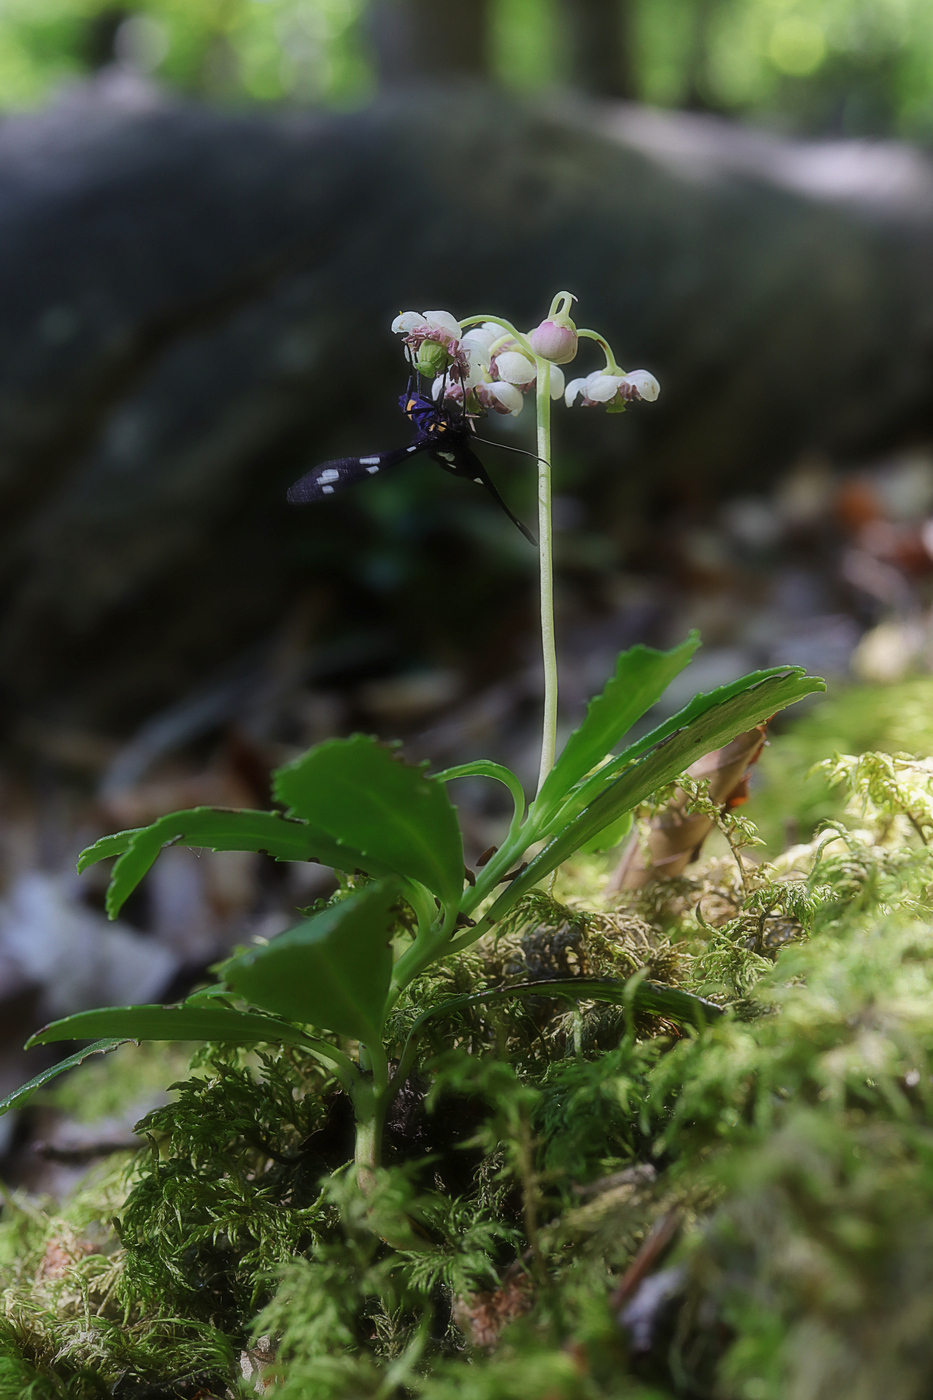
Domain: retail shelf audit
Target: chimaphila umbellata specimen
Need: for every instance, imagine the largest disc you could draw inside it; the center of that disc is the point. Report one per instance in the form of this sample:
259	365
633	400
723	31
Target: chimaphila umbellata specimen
484	365
331	983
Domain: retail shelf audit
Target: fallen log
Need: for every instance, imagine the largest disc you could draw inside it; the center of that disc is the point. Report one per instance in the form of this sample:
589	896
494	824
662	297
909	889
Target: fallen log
194	309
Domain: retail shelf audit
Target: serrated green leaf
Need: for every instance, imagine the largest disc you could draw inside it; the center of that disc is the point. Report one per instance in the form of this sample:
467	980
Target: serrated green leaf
684	719
217	829
26	1091
331	971
173	1023
710	728
107	846
361	795
640	678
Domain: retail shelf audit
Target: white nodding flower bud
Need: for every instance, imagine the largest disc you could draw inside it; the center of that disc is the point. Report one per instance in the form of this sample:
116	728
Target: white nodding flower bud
476	373
445	321
557	381
601	388
645	382
408	321
481	338
515	368
614	390
509	397
477	351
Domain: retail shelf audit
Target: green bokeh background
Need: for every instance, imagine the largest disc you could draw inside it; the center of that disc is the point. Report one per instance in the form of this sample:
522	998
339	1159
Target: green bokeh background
851	67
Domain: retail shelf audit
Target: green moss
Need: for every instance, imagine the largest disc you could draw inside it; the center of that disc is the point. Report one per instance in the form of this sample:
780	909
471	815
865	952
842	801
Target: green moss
535	1149
788	800
224	1193
65	1328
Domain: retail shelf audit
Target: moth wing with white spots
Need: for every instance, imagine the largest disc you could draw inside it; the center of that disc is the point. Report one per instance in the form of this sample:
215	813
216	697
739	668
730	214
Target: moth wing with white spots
331	477
444	441
459	459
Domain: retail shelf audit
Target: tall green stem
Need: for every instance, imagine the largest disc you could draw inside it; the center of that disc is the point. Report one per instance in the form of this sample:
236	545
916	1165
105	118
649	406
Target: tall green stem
546	570
545	550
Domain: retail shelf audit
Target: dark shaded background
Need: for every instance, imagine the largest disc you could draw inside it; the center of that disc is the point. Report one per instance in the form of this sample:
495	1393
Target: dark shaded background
196	309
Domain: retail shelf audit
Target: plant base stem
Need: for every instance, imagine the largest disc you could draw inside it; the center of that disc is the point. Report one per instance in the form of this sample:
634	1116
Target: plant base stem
367	1154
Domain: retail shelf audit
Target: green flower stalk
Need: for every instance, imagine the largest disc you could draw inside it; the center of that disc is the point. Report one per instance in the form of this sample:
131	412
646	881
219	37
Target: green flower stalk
546	572
520	361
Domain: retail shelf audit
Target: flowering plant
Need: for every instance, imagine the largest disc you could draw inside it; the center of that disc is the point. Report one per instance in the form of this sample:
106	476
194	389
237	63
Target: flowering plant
484	363
328	984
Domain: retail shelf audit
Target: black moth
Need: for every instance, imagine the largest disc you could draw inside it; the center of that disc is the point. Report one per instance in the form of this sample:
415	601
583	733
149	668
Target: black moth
443	435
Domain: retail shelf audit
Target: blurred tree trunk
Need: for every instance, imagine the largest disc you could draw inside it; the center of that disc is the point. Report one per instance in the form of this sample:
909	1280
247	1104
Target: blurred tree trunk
100	32
428	38
600	39
195	308
704	12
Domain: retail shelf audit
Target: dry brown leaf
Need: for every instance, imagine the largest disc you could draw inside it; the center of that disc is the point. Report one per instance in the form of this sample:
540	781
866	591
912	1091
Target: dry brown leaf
482	1316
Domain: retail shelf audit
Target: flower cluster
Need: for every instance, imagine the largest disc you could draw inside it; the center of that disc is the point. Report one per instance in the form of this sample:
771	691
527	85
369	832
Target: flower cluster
613	390
492	367
482	361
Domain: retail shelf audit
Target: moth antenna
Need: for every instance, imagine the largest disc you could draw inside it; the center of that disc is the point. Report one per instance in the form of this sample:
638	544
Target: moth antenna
507	448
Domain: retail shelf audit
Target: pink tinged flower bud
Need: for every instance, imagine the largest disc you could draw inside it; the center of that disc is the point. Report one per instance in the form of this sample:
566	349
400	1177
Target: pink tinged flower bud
554	341
408	321
645	384
508	396
446	388
514	368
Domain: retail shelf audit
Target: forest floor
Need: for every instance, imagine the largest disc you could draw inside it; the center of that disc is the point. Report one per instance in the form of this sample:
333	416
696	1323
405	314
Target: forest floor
601	1204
